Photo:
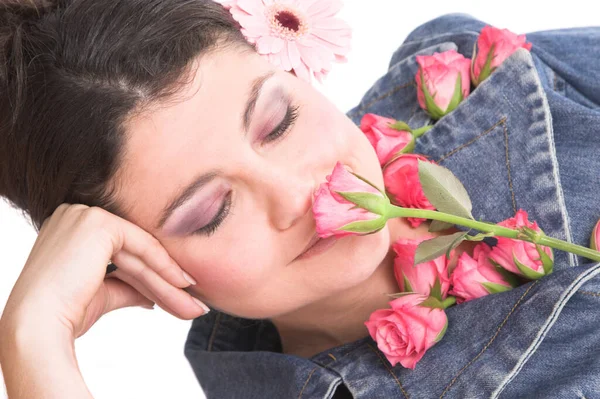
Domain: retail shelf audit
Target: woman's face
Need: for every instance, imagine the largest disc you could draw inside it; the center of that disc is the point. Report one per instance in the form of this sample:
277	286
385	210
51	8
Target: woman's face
258	141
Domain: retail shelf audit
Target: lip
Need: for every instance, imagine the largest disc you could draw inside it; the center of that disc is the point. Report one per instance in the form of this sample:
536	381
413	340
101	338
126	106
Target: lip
316	246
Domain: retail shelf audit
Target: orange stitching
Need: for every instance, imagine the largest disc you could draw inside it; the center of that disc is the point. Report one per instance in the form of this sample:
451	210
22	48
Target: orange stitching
383	96
390	370
308	379
333	357
590	293
454	151
491	340
510	183
213	333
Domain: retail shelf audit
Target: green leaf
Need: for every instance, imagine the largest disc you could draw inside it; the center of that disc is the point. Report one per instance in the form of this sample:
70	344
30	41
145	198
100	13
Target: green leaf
473	57
436	247
444	190
507	276
401	125
434	111
547	261
480	236
369	201
436	290
439	337
494	288
407	286
527	272
365	226
432	302
457	97
437	225
487	70
400	294
369	183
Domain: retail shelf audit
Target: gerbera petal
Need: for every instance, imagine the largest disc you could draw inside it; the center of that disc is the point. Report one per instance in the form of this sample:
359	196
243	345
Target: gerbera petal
311	59
286	64
332	37
276	45
325	8
252	7
294	54
264	44
302	72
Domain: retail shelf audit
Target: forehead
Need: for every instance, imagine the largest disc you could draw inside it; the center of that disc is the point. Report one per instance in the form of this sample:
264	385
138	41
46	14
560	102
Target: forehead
171	142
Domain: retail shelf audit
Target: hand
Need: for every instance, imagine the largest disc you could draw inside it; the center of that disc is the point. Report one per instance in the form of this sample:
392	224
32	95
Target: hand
63	281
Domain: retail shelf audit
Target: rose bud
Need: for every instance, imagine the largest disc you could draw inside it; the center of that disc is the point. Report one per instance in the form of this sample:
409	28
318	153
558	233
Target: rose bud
495	45
443	81
406	331
595	239
475	276
335	205
422	277
522	257
386	139
401	179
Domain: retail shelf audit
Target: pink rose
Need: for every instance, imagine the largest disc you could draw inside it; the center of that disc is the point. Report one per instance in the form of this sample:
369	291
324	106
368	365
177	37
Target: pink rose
470	275
441	72
386	140
595	240
401	179
517	256
333	213
406	331
505	43
422	277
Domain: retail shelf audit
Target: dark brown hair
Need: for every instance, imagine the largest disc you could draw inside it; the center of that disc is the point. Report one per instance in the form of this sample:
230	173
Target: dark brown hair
71	74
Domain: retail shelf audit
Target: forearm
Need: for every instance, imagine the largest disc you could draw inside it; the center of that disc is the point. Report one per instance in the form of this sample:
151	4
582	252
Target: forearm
40	363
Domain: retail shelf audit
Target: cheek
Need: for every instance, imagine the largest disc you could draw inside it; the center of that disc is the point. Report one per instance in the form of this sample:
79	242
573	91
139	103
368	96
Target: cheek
227	268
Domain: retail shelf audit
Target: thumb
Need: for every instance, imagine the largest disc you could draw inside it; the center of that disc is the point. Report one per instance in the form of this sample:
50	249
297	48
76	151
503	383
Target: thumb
115	294
119	295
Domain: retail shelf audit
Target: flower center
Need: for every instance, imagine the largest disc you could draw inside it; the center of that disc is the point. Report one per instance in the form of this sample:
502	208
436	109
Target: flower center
286	22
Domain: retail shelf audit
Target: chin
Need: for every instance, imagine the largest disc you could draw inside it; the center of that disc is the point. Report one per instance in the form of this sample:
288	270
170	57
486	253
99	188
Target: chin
358	258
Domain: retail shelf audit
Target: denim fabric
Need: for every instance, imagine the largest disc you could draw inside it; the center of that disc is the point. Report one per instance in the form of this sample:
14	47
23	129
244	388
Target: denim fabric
528	137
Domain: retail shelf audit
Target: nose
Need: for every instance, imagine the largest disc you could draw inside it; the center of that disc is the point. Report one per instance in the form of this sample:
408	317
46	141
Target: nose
289	197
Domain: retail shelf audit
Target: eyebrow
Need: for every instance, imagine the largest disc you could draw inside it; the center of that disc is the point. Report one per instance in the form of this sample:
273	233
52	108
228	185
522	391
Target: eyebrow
253	98
188	192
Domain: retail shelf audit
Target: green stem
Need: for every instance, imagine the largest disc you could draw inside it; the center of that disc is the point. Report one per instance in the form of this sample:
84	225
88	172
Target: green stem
396	211
449	301
421	131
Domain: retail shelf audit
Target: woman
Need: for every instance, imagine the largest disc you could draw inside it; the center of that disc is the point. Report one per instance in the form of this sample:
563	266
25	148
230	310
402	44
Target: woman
196	177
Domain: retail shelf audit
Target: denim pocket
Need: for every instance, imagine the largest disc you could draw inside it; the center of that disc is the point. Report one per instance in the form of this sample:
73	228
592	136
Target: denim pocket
499	142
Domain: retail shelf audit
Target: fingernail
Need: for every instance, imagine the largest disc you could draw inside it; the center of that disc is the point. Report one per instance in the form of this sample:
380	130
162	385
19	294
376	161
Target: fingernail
189	278
148	306
203	306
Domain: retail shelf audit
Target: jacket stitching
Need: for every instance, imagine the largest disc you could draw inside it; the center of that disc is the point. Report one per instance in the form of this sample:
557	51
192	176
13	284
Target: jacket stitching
510	182
213	333
490	341
390	370
590	293
308	379
507	160
454	151
381	97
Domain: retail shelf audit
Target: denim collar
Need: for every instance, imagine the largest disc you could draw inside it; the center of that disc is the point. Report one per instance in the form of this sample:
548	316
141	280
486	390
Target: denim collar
501	134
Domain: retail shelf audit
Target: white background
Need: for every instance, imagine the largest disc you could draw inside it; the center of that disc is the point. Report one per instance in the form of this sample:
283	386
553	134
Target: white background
136	353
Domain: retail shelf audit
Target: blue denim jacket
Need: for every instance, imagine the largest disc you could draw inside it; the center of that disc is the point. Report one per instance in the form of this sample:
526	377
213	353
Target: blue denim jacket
528	137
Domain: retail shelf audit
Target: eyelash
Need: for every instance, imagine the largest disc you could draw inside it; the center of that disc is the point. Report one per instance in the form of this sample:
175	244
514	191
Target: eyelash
288	121
225	210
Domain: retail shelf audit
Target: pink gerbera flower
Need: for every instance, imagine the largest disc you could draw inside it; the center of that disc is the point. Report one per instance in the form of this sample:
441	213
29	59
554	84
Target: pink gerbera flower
299	35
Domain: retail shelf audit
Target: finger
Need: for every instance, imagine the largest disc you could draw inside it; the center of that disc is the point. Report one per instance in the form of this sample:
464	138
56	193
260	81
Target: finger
120	295
137	241
172	299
